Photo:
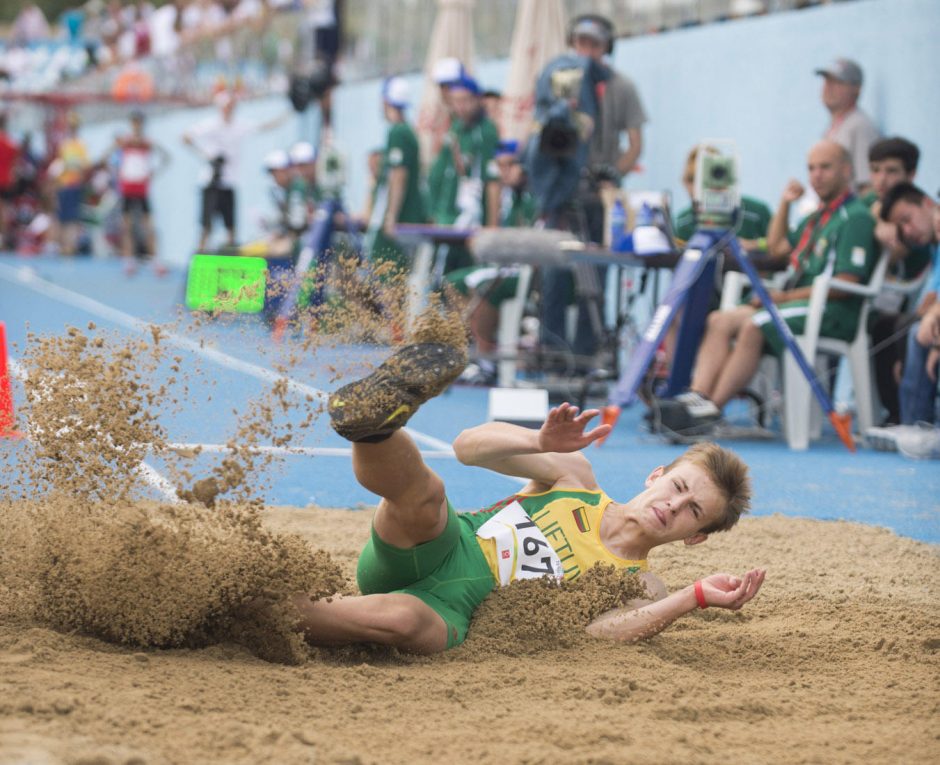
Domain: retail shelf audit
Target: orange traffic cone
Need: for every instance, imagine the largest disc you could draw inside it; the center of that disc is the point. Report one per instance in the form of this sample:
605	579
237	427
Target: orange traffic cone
6	391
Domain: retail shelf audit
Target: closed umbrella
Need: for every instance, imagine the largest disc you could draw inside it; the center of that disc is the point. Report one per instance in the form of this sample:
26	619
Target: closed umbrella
538	36
451	37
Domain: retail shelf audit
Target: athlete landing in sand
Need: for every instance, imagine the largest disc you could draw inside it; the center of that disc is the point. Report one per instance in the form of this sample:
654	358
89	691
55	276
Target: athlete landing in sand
426	568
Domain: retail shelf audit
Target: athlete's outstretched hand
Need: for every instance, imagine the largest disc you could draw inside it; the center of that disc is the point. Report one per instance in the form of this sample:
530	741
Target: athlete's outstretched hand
563	429
727	591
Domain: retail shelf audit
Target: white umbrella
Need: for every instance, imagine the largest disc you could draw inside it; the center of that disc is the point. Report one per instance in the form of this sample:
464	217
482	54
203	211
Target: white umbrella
451	37
538	36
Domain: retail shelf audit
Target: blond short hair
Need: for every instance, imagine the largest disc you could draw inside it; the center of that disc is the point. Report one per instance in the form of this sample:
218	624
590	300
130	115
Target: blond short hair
730	475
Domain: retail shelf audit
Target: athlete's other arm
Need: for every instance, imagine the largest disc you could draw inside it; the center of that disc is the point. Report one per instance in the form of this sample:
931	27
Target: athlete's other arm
633	623
546	456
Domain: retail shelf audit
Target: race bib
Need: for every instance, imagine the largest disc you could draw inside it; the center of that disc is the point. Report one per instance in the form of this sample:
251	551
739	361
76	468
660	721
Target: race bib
470	198
522	551
135	167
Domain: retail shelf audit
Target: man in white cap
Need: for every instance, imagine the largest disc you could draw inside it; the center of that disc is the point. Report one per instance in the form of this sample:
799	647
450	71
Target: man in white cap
303	194
397	194
434	121
463	183
850	126
277	165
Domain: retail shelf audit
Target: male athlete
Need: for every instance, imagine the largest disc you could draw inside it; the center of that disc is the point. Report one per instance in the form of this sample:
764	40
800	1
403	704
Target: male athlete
426	569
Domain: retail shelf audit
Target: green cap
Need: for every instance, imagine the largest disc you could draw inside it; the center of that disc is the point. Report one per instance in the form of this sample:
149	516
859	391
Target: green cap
228	283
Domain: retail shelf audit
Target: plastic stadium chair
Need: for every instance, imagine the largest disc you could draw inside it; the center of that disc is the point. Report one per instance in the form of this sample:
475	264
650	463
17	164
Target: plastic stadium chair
802	417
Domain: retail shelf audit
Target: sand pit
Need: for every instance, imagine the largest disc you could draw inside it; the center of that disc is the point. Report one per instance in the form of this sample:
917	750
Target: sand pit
835	661
124	636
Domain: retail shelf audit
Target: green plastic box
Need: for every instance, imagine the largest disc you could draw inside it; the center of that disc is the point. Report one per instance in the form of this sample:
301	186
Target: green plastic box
226	283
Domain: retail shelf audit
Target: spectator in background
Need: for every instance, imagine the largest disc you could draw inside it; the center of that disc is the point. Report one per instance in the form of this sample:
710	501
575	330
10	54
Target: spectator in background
30	26
486	287
615	147
136	168
492	102
838	237
464	182
69	171
277	165
396	197
892	161
850	126
218	140
436	123
618	135
9	157
755	215
303	192
917	217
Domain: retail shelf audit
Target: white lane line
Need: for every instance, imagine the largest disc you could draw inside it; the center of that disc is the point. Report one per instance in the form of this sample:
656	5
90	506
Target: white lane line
155	479
28	277
317	451
305	451
150	475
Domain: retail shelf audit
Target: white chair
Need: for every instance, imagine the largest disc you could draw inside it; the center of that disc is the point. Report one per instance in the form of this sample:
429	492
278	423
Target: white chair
802	415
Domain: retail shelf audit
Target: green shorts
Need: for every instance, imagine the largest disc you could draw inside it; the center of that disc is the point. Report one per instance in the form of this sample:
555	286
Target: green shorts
838	321
449	573
504	289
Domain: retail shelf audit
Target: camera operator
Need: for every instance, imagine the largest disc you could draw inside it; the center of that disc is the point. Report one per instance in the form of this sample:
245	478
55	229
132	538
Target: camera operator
620	112
218	140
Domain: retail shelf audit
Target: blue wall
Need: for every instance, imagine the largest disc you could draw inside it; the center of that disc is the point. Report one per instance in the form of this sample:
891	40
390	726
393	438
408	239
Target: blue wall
750	81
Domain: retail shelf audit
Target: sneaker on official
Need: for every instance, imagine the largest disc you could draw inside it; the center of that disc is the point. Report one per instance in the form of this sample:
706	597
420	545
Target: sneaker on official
885	439
481	373
371	409
920	442
692	415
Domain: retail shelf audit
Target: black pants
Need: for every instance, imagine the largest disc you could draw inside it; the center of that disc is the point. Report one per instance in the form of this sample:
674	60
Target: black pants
218	201
890	340
586	220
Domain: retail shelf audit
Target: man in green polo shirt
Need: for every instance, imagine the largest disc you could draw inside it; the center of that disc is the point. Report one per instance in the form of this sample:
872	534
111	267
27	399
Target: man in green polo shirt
491	284
463	183
397	196
837	237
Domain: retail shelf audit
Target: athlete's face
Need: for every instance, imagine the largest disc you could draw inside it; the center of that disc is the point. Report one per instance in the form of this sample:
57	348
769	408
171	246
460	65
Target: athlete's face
678	504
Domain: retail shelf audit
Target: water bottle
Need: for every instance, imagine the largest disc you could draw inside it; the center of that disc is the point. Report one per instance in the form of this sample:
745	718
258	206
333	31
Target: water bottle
618	226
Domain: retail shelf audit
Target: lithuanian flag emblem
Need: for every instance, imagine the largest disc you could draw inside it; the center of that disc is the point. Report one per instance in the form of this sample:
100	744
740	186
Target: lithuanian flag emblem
581	519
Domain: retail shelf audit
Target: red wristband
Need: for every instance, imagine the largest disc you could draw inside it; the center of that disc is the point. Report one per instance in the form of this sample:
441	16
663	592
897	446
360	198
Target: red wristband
700	595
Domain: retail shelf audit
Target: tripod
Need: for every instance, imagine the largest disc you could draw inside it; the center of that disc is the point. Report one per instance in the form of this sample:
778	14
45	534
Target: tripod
690	288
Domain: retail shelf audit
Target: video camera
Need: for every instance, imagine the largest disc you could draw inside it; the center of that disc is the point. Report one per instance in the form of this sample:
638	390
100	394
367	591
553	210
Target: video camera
716	192
216	164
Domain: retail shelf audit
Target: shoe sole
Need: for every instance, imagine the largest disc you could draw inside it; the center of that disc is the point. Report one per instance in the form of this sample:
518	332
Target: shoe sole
374	407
